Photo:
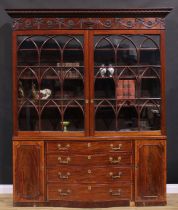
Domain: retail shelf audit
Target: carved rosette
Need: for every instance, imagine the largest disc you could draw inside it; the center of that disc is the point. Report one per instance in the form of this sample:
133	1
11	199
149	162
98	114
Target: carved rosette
87	23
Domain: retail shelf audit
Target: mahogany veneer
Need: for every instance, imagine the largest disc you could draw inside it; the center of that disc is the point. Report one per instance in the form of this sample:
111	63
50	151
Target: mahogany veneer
113	152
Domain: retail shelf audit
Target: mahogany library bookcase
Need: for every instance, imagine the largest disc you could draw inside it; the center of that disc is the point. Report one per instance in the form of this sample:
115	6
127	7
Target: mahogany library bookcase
89	107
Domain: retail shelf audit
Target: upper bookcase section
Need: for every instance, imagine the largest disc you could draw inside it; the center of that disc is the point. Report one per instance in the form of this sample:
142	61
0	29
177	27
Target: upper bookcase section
46	19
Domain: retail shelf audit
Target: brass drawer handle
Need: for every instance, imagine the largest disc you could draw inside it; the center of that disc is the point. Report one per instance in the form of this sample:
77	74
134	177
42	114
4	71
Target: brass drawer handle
64	193
118	176
116	148
63	148
115	193
66	161
63	176
115	161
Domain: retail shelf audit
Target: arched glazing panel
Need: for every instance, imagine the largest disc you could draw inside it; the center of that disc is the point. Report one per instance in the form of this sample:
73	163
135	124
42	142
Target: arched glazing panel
50	117
104	52
149	51
50	52
50	86
73	85
105	117
150	83
127	117
28	88
27	52
73	117
28	117
73	52
150	116
104	88
126	52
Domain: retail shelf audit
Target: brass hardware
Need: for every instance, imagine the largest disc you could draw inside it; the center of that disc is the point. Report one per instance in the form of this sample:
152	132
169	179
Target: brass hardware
115	176
89	144
63	148
63	176
64	193
89	171
116	148
89	157
89	187
92	101
66	161
86	101
115	161
116	192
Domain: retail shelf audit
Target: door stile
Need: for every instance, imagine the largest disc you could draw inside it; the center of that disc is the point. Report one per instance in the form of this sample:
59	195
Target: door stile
87	83
91	78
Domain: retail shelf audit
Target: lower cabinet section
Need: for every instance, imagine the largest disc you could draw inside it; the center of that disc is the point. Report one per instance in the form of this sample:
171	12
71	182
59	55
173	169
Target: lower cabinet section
150	173
84	192
28	171
89	173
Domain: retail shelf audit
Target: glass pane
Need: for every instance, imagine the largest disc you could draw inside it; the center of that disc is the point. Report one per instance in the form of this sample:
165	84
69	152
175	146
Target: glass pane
127	118
28	117
50	73
51	118
105	119
73	119
150	117
104	88
150	88
126	70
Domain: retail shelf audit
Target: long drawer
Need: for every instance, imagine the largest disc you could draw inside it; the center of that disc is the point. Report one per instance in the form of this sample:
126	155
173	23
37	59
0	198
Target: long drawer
89	147
85	160
84	192
72	174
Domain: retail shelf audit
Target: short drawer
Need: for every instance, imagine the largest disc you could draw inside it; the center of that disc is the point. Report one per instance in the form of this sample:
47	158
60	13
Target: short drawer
83	192
89	147
95	160
72	174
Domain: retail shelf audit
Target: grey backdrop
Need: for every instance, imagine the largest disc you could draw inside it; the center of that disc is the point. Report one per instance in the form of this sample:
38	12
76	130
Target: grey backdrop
6	76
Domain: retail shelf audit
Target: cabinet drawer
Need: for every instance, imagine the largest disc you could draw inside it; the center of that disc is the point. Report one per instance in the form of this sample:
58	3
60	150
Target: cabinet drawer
83	192
89	147
83	160
70	174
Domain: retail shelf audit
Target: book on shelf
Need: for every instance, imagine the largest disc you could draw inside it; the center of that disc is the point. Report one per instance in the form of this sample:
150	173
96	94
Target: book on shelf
125	89
76	64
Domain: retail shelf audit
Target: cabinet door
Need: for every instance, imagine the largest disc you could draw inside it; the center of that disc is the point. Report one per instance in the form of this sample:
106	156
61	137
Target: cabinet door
125	82
52	82
150	181
28	168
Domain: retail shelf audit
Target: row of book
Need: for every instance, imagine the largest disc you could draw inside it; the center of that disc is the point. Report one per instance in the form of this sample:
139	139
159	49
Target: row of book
125	89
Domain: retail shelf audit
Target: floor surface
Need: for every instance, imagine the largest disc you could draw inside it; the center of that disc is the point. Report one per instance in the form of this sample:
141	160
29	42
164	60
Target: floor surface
6	204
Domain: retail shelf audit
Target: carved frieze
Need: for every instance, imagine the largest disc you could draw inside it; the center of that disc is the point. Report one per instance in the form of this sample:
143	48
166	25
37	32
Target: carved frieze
87	23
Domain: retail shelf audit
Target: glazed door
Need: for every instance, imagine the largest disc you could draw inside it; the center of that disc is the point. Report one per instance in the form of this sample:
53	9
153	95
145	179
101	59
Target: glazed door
52	88
125	82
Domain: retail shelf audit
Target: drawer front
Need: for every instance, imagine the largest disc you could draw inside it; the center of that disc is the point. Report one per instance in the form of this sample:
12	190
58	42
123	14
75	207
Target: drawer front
98	192
89	147
72	174
95	160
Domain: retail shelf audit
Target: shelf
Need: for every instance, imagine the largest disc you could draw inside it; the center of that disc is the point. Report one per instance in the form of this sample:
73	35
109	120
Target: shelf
130	66
47	66
124	49
52	49
141	98
51	78
126	105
